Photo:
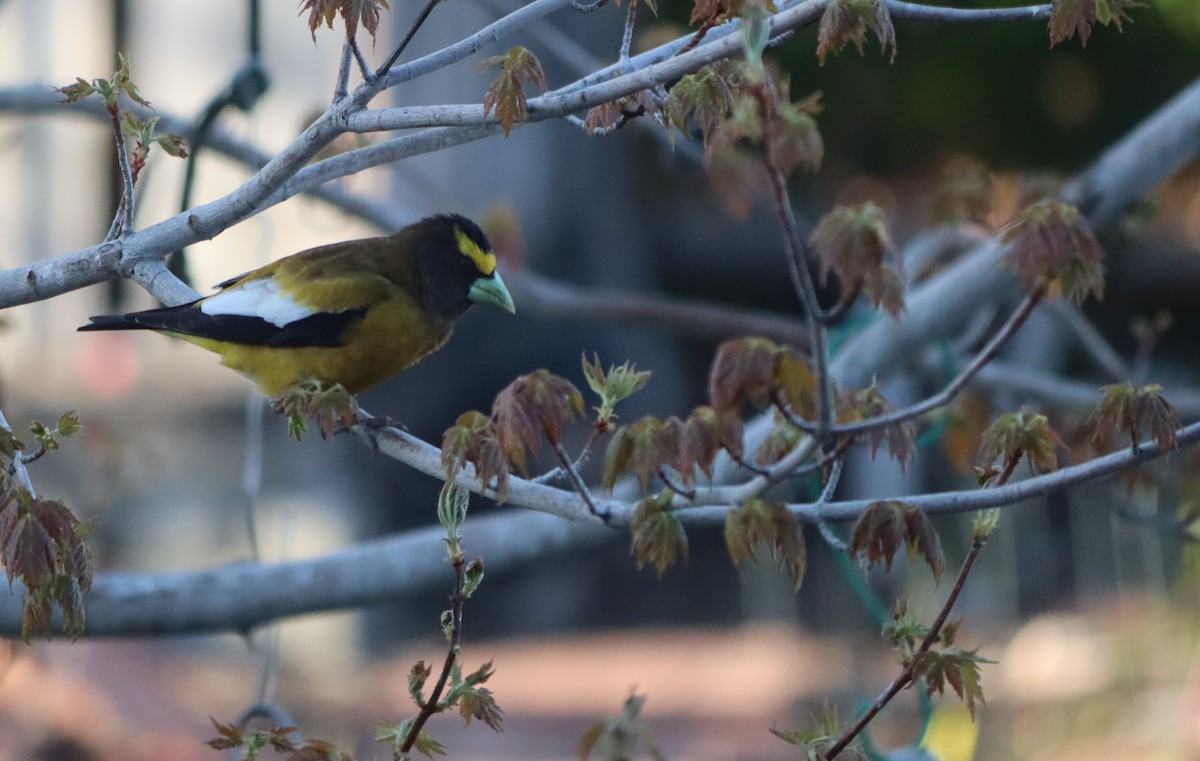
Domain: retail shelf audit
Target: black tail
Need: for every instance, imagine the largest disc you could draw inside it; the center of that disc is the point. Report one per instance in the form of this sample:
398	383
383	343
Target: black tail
112	322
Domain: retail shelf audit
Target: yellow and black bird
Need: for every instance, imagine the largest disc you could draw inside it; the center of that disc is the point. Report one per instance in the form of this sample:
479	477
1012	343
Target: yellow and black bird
354	313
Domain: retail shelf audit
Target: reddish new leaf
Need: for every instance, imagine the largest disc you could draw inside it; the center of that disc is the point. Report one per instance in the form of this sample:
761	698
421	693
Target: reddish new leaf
923	540
506	94
782	439
644	447
878	534
768	525
793	140
743	370
656	537
704	97
319	750
1131	409
353	13
1021	434
473	439
228	736
852	243
868	403
480	703
884	526
848	21
1071	17
29	553
1051	244
531	407
706	433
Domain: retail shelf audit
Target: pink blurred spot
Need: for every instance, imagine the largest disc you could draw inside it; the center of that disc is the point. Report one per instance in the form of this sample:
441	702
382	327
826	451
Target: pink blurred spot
108	365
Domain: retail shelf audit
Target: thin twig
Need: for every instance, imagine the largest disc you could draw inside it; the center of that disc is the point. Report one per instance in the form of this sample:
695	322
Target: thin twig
364	69
627	38
412	32
679	489
123	222
831	484
585	454
342	85
577	481
947	394
456	614
1098	347
907	675
807	293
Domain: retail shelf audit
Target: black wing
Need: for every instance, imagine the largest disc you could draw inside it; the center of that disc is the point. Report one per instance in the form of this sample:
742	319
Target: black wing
323	329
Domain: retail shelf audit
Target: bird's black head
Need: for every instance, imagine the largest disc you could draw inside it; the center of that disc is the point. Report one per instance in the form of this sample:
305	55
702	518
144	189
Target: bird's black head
456	266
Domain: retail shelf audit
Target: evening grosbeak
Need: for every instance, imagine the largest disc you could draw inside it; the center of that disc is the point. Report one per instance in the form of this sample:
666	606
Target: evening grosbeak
354	313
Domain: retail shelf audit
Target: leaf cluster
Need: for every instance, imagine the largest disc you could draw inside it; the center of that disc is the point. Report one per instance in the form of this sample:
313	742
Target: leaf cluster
816	742
939	662
532	408
712	12
651	444
41	543
732	104
473	702
770	527
41	540
111	89
864	404
353	13
1071	17
848	21
615	114
277	739
332	408
1051	245
506	93
885	526
657	536
852	243
1131	409
618	738
613	387
1016	435
144	136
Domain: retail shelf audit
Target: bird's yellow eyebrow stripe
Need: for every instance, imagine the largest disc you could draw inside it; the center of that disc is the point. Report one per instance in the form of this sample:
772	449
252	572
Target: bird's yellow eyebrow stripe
485	261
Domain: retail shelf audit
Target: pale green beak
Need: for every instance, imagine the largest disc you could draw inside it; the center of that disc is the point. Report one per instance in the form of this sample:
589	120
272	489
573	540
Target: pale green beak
493	292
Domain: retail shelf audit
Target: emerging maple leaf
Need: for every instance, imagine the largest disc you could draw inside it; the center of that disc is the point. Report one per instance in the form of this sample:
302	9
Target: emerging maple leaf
884	526
768	525
867	403
1018	434
1071	17
852	242
473	439
353	12
531	407
506	94
705	97
657	536
1128	408
846	21
1051	244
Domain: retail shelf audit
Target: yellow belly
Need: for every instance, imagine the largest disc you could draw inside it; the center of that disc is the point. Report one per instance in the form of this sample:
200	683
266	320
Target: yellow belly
383	344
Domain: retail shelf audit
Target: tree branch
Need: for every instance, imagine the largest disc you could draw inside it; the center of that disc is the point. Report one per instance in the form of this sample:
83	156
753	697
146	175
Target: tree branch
240	597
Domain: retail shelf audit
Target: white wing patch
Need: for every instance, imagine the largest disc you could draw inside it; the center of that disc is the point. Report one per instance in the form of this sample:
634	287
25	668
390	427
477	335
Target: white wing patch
257	298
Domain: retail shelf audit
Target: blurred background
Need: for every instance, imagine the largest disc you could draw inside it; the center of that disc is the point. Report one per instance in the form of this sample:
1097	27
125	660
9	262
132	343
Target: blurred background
1091	616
